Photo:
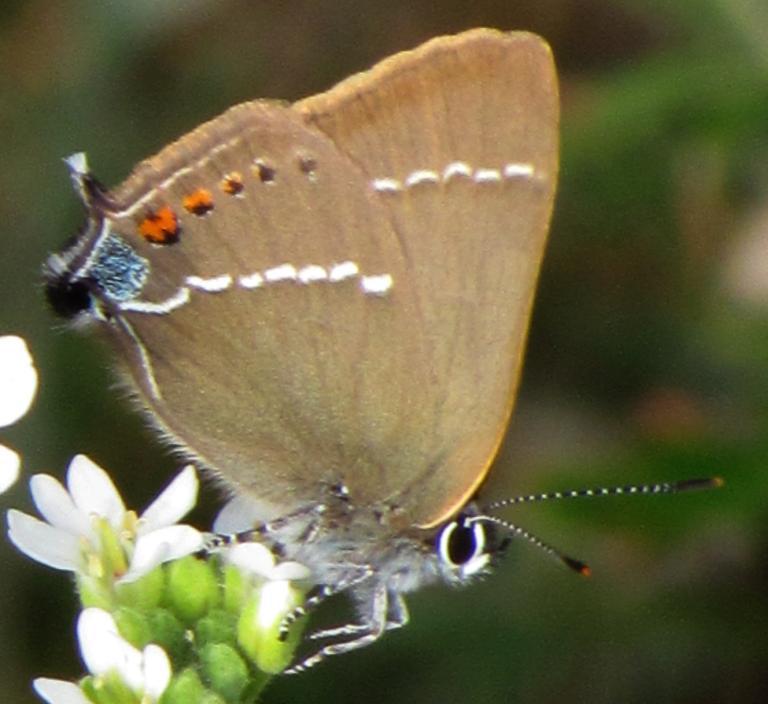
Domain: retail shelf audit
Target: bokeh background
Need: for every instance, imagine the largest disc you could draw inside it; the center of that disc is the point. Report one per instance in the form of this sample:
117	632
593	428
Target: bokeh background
648	356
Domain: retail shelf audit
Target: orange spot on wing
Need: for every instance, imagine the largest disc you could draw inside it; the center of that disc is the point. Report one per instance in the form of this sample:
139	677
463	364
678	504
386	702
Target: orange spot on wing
232	183
198	203
160	226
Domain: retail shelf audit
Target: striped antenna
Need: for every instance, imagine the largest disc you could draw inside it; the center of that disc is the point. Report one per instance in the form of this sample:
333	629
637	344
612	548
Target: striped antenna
626	490
516	531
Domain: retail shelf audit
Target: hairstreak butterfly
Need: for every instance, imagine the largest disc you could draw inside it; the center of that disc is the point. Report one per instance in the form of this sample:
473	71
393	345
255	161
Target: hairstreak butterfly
326	303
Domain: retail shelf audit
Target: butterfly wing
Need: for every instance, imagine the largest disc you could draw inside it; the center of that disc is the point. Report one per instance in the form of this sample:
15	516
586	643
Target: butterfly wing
262	339
339	291
460	141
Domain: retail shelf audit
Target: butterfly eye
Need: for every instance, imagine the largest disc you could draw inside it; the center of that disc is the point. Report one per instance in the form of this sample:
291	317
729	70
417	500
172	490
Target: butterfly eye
67	298
461	544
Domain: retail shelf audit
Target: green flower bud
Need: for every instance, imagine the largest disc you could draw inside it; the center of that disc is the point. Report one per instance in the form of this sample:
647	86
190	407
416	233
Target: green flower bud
170	633
144	593
185	688
225	670
237	588
133	626
192	588
258	629
217	627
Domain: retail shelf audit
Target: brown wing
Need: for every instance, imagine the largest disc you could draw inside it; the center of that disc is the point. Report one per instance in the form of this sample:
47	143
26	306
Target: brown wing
434	171
462	137
283	386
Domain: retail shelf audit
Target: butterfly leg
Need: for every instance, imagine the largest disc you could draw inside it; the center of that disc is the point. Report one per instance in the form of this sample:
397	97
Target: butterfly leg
396	618
398	611
366	633
324	592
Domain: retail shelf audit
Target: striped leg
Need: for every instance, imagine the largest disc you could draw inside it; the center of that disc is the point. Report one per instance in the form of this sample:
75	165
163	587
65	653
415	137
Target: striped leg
358	575
366	633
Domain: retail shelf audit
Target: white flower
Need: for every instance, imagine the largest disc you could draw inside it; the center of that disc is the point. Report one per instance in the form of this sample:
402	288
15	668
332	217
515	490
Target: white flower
106	653
18	384
76	519
59	691
277	596
258	560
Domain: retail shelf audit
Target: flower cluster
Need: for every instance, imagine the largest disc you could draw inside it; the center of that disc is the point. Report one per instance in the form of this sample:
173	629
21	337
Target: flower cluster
169	614
163	617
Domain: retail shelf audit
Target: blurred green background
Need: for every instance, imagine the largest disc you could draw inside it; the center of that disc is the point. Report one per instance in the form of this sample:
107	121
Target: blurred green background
648	356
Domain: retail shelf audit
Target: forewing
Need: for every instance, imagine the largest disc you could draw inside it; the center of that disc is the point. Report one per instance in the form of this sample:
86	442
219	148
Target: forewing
258	340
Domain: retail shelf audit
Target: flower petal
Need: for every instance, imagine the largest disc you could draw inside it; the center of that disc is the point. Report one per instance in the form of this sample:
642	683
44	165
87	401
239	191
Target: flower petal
56	506
175	502
18	379
161	545
44	543
93	491
9	467
59	691
129	664
276	599
104	650
157	671
96	633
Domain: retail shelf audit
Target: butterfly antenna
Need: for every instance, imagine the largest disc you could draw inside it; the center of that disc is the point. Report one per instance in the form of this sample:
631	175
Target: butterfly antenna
516	531
627	490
